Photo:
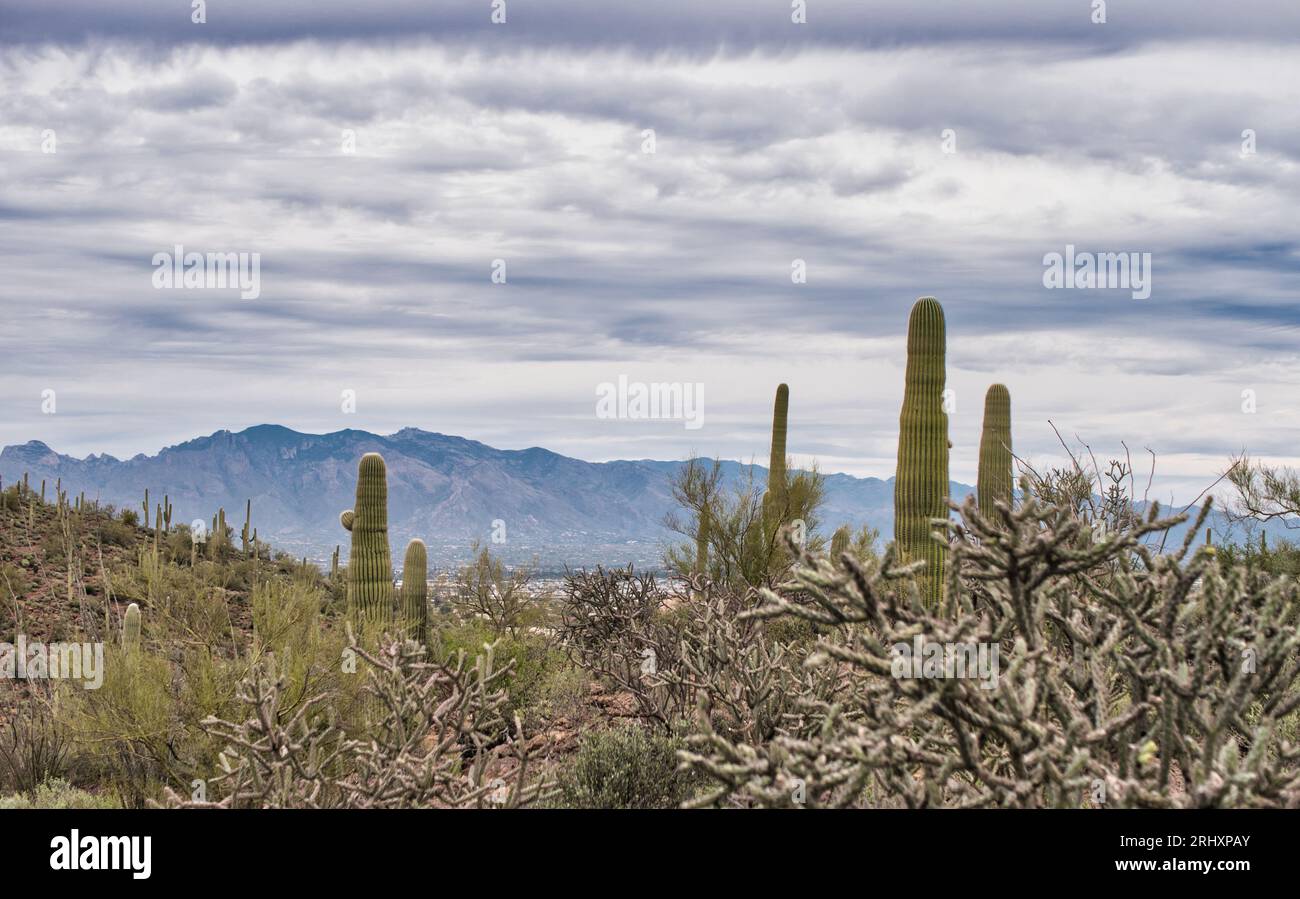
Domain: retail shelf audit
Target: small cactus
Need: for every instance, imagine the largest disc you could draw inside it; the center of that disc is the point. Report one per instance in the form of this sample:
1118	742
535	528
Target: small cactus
839	542
995	481
415	592
131	628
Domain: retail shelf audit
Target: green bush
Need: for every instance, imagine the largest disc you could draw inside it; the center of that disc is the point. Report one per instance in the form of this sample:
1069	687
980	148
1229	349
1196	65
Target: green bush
625	767
1280	558
117	533
56	794
534	659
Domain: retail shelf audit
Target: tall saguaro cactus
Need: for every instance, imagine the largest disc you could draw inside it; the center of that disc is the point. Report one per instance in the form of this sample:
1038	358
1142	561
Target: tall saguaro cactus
370	567
921	480
415	591
776	464
774	500
995	480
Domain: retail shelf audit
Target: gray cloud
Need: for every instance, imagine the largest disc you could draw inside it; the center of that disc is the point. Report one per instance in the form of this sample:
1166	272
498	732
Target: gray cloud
525	144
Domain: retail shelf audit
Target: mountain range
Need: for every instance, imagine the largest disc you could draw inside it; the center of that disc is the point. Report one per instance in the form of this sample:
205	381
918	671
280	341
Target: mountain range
447	490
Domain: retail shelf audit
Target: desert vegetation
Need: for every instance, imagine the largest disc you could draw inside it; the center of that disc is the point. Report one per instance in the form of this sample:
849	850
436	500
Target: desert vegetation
1040	644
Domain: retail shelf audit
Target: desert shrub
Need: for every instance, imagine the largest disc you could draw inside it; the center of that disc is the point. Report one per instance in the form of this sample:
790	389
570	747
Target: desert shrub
178	544
129	727
427	744
744	545
530	658
626	766
15	581
1282	557
54	547
686	652
1120	680
561	694
56	794
486	591
34	747
116	533
185	604
130	518
564	692
145	728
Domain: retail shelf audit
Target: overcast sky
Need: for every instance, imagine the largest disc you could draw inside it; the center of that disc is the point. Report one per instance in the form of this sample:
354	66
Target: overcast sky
773	142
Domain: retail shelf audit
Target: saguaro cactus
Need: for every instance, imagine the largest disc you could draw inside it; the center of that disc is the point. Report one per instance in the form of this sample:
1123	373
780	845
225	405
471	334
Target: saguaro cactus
244	532
839	542
995	478
774	500
776	464
921	480
370	567
131	628
415	591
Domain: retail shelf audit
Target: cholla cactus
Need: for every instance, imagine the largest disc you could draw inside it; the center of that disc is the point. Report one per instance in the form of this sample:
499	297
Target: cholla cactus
430	749
1119	678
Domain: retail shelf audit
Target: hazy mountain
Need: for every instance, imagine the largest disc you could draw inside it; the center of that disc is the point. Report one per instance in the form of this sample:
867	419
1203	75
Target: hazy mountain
445	489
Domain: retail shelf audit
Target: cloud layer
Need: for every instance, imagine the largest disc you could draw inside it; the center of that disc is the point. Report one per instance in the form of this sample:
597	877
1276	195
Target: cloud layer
379	167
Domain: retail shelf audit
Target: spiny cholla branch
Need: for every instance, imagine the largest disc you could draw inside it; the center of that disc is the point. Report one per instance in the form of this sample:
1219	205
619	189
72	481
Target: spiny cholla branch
1125	678
428	739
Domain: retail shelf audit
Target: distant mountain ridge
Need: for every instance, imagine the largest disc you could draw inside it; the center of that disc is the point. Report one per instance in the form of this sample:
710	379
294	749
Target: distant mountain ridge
447	490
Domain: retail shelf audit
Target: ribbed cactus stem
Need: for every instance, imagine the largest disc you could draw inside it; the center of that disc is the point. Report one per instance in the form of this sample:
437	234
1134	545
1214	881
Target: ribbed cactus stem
370	567
995	479
131	628
774	500
840	542
415	591
921	480
776	464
